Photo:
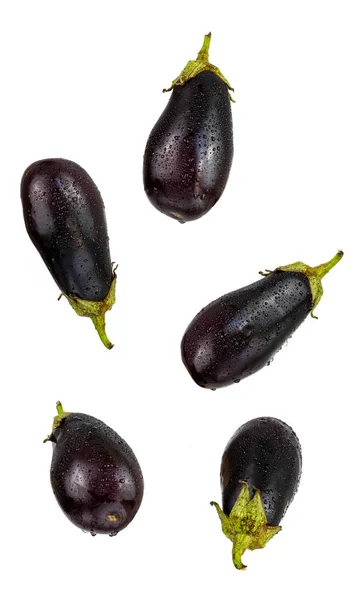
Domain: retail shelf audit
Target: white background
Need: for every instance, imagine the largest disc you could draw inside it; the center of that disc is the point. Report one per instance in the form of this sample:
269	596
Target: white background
83	80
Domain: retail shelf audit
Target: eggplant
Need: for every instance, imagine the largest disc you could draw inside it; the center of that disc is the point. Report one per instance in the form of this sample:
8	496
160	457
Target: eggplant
65	218
260	474
189	151
95	476
239	333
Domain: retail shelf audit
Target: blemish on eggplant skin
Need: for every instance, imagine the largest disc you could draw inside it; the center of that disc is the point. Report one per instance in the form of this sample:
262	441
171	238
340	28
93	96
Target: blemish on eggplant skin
112	518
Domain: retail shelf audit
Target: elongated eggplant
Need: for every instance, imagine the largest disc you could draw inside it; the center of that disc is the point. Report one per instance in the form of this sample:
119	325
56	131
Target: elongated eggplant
65	218
95	475
239	333
260	473
189	152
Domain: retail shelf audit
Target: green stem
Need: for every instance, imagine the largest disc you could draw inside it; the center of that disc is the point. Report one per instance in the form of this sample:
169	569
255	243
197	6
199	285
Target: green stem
203	53
323	269
241	543
61	415
246	525
100	325
59	408
194	67
314	276
96	310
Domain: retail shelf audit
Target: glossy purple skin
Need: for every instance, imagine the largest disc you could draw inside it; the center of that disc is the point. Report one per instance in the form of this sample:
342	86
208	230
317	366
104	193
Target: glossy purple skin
65	218
266	453
189	152
95	475
239	333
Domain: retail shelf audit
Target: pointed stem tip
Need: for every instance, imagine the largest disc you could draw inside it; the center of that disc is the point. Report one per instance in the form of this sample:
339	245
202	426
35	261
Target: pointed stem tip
100	326
203	53
322	270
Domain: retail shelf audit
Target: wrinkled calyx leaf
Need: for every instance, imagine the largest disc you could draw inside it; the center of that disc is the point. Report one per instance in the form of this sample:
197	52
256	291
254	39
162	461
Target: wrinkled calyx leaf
61	415
246	526
96	310
194	67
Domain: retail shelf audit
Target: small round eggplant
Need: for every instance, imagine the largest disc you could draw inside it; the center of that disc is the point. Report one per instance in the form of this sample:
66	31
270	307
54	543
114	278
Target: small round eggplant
95	475
189	152
239	333
260	474
65	218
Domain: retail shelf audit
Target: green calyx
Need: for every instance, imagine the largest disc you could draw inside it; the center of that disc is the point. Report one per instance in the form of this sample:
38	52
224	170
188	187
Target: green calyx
314	276
246	526
61	414
194	67
96	310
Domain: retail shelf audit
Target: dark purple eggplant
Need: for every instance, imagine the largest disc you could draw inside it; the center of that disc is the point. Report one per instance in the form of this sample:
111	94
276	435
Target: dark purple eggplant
260	473
239	333
95	475
189	151
65	218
